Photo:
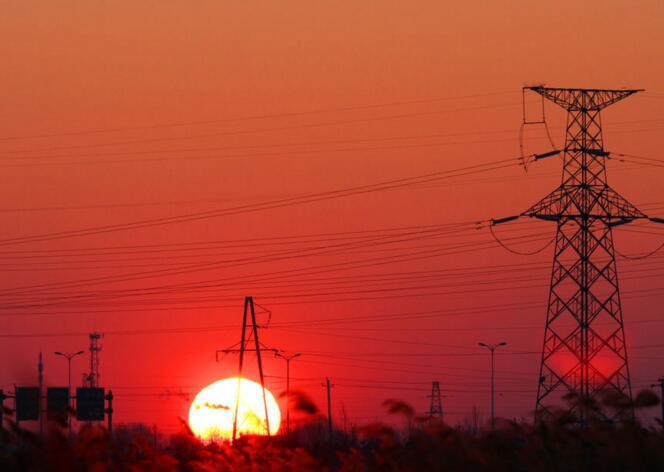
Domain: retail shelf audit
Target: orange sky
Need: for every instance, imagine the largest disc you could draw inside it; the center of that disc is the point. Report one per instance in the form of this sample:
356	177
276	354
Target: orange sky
88	92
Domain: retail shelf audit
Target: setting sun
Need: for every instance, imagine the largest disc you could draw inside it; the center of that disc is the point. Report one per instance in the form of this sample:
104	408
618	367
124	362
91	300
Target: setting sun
211	413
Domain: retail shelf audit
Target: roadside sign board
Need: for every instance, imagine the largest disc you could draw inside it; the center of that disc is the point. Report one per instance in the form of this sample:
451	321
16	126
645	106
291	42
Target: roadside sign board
89	403
57	403
27	403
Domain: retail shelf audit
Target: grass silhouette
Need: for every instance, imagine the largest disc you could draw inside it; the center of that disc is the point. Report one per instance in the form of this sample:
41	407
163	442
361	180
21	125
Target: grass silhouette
422	444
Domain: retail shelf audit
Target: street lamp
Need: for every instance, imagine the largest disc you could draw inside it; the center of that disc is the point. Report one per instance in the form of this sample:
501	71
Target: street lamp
69	356
492	348
287	359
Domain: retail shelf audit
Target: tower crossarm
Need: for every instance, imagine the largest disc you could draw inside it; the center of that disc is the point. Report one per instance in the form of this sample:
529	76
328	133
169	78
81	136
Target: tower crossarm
604	204
582	99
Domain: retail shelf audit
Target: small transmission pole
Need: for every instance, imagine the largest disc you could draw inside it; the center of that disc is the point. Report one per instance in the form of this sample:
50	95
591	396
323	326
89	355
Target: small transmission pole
584	353
660	384
328	386
245	341
92	378
436	405
40	378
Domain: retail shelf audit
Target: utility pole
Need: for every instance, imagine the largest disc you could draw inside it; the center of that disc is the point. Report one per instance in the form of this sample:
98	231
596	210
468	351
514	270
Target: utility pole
3	397
584	288
660	384
329	407
40	376
69	357
109	411
246	338
492	348
288	360
436	405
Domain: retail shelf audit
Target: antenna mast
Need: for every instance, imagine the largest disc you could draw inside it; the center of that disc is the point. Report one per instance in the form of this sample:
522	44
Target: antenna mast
92	378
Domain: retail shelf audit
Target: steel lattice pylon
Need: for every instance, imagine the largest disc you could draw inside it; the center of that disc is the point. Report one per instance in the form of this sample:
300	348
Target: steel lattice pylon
436	405
584	353
92	379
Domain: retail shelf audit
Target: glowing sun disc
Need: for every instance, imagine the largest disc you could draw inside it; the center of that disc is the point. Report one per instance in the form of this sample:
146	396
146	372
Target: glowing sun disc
211	413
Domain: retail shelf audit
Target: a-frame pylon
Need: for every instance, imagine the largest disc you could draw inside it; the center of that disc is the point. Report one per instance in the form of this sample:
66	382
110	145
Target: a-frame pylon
247	339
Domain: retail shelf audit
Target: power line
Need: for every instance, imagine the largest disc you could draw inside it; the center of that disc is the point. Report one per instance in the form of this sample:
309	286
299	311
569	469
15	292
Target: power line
258	146
310	198
310	270
384	259
263	130
256	117
272	154
153	305
274	145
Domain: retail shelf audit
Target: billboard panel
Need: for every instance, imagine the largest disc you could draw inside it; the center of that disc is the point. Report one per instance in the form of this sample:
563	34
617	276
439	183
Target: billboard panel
89	403
57	403
27	403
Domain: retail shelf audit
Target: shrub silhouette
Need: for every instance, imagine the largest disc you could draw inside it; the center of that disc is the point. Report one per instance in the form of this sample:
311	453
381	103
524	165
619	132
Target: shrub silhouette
556	445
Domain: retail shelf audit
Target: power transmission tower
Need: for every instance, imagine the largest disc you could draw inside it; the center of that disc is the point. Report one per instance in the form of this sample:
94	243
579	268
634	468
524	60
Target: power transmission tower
584	353
245	341
436	405
92	378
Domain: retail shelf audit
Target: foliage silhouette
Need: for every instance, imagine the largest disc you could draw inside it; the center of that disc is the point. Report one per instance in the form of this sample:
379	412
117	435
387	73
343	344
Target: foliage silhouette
556	445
